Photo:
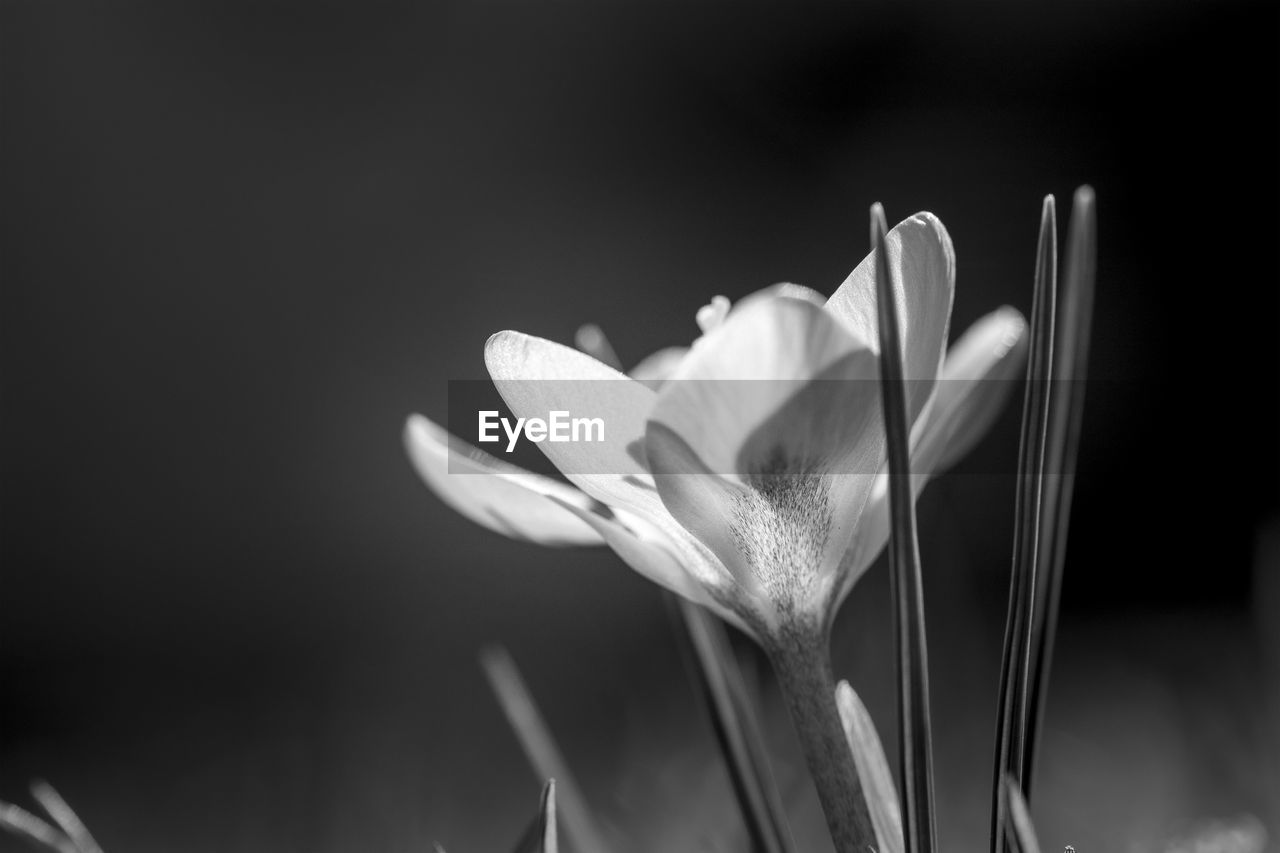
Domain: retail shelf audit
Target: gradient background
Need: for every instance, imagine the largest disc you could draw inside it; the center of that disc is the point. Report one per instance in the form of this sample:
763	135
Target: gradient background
242	242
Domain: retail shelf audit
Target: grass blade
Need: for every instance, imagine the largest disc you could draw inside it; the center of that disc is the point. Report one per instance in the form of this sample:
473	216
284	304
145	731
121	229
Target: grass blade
23	824
1066	403
51	801
540	748
1018	826
915	748
540	837
550	839
736	727
873	769
1013	707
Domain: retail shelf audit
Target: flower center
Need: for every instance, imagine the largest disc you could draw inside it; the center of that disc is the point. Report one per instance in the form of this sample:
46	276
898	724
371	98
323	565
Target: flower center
781	526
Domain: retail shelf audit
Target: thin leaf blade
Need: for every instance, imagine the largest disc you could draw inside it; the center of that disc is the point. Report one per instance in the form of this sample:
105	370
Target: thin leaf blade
1014	703
1071	363
540	837
906	587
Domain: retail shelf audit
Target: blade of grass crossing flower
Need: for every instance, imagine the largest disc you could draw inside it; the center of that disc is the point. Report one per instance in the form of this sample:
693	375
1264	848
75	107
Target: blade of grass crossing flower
873	769
62	814
720	682
915	748
540	748
1013	703
540	837
1022	834
23	824
1066	403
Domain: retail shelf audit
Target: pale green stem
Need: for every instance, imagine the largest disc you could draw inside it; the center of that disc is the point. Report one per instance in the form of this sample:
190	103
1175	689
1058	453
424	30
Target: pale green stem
801	658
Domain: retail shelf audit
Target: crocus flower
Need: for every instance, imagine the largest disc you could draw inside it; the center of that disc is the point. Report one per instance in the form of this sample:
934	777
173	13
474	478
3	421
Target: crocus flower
765	500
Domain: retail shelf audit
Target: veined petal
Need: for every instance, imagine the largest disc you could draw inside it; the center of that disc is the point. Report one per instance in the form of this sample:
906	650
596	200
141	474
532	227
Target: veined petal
771	473
976	382
536	376
923	265
702	502
495	494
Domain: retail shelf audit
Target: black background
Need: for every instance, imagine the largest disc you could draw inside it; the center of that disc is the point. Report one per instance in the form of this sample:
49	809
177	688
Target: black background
241	243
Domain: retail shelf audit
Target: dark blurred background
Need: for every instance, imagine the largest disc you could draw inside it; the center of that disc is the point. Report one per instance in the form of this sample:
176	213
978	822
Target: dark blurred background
241	242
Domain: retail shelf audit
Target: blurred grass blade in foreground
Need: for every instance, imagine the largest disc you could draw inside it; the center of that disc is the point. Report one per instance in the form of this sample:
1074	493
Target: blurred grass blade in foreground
540	748
873	768
736	726
71	836
1066	414
915	751
63	815
1022	835
19	822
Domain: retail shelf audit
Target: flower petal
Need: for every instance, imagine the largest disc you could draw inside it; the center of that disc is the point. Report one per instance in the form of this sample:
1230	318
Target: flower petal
979	374
922	261
772	473
750	385
976	382
789	290
536	376
873	768
701	501
496	495
652	554
657	368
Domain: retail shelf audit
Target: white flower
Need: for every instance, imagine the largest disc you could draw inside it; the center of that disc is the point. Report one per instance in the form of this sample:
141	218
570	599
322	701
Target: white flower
764	500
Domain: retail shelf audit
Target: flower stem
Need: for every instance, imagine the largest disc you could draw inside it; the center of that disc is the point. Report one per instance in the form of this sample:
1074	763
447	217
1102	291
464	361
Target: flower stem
801	659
